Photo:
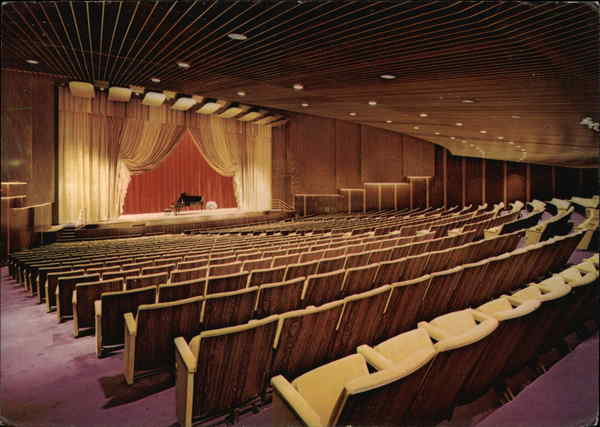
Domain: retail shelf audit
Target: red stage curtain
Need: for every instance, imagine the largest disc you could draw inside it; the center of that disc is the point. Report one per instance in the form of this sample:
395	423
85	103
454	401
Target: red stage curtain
185	170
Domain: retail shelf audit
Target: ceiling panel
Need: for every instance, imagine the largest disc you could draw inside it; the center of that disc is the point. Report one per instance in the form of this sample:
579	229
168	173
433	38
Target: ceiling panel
526	73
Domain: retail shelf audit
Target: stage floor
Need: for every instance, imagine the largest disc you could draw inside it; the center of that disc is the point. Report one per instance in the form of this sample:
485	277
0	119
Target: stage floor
192	216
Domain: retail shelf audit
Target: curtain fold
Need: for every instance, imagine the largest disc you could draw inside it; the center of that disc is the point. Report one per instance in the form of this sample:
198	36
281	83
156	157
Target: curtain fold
102	145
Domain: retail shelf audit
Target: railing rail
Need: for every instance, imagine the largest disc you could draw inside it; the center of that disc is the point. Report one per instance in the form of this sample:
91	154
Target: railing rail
278	204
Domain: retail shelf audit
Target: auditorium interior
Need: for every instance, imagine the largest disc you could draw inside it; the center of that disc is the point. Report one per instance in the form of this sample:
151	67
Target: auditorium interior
240	212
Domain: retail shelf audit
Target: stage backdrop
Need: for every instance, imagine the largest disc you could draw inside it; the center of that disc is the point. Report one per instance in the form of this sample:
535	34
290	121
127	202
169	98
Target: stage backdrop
184	170
103	144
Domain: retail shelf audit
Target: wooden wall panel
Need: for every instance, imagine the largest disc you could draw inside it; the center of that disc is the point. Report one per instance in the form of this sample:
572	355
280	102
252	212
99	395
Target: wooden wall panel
17	125
474	181
454	184
516	181
372	197
403	196
567	180
311	154
381	155
541	182
388	196
494	181
41	188
347	154
418	157
436	186
419	193
280	179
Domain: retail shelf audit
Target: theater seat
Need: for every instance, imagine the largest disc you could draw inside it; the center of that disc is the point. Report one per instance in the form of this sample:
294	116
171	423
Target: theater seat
208	381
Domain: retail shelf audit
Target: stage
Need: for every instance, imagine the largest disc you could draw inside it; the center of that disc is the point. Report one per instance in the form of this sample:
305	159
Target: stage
183	217
162	223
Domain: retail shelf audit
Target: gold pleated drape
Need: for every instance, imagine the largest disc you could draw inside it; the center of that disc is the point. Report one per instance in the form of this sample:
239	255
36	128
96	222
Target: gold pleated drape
103	143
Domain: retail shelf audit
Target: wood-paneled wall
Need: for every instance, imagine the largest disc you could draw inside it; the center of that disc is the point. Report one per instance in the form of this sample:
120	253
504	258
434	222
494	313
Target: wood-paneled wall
29	133
317	155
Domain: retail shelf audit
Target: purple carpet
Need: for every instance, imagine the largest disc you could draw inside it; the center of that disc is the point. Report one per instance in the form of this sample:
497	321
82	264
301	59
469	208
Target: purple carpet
565	396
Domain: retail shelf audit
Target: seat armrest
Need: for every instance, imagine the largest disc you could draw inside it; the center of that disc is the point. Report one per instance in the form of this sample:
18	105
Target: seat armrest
295	401
373	358
521	310
472	336
74	298
98	307
186	354
130	324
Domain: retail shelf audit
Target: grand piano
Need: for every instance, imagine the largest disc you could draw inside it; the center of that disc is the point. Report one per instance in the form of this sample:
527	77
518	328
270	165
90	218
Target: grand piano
186	200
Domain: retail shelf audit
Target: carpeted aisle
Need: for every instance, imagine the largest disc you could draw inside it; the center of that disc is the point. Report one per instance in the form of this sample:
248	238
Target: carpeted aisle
49	378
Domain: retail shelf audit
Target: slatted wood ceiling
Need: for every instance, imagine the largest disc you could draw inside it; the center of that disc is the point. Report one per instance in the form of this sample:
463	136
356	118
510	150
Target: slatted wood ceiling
530	68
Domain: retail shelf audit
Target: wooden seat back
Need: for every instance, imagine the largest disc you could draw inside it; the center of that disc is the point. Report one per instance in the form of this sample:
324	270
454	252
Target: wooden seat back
227	283
136	282
322	288
65	287
280	297
360	279
181	290
228	308
266	275
85	295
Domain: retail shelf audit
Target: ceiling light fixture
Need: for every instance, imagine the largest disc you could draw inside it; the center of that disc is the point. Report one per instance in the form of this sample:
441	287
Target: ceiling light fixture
155	80
501	137
352	114
298	86
468	101
464	141
388	121
305	104
241	93
452	137
436	132
32	61
515	116
372	103
183	65
423	115
416	127
388	76
483	131
459	124
511	143
237	36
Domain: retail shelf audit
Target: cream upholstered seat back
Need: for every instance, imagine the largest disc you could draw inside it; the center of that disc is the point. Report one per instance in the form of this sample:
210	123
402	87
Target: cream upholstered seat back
401	347
323	386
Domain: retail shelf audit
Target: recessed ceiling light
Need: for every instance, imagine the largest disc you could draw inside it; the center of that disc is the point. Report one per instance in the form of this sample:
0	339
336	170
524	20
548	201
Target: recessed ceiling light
515	116
471	145
464	141
183	65
436	132
298	86
388	76
452	137
352	114
416	127
237	36
155	80
388	121
522	149
500	137
468	101
305	104
511	143
32	61
483	131
423	115
241	93
459	124
372	103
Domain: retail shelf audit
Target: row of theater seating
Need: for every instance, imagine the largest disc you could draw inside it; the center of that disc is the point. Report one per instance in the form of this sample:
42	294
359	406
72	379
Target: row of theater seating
328	278
359	318
420	375
280	286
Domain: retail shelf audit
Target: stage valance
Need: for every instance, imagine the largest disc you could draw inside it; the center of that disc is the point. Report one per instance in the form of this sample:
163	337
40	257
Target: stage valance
102	143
